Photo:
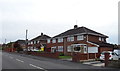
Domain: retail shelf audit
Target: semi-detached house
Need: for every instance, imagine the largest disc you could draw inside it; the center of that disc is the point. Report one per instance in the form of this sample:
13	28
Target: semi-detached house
79	39
38	42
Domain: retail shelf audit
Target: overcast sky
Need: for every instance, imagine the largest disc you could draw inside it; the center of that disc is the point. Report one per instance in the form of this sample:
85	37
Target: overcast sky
53	17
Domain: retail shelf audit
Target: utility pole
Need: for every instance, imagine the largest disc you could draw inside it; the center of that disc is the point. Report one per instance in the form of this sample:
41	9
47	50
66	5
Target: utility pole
76	22
5	40
5	43
26	40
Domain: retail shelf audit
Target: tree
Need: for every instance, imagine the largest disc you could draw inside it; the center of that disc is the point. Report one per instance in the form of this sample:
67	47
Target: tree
18	47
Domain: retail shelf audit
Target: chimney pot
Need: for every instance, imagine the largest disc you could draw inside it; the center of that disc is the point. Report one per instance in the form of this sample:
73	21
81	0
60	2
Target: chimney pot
41	33
75	26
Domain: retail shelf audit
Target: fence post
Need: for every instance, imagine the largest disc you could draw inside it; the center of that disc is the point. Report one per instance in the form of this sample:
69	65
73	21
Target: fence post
106	59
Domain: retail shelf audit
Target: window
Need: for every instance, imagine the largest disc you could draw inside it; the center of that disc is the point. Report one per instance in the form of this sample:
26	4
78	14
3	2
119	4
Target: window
31	42
69	49
53	40
48	40
53	49
60	48
77	49
70	39
80	37
60	39
100	39
38	42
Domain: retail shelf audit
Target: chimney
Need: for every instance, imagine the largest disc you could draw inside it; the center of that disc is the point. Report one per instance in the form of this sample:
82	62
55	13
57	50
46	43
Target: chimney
75	26
41	33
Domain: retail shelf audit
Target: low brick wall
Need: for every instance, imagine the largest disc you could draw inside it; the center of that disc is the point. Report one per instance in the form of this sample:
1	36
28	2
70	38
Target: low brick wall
93	55
10	49
45	54
76	57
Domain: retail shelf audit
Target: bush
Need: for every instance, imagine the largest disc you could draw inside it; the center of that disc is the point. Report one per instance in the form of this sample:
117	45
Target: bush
61	54
19	49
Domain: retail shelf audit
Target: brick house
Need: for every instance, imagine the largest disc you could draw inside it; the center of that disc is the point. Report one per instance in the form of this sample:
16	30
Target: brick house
38	42
22	43
79	39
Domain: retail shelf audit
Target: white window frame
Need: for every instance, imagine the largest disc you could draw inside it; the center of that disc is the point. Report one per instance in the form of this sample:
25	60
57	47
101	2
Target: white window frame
53	48
80	37
38	41
53	40
69	49
92	49
71	38
48	40
100	38
60	48
31	42
60	39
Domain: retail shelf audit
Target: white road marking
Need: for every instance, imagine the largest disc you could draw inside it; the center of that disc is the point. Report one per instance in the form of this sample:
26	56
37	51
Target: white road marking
37	67
19	60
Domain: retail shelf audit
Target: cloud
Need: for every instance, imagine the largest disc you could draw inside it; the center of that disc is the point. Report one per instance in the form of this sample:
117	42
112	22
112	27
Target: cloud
55	16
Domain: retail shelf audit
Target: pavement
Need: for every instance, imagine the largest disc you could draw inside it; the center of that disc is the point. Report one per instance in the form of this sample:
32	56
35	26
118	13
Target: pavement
92	63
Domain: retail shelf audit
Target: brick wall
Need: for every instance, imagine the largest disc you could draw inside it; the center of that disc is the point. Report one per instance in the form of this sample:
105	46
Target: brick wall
10	49
76	57
45	54
101	49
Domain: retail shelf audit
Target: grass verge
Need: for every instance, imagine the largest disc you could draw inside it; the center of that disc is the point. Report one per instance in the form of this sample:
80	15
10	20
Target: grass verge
65	57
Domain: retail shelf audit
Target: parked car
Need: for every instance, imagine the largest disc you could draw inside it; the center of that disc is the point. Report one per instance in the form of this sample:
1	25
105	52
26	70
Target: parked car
117	51
112	55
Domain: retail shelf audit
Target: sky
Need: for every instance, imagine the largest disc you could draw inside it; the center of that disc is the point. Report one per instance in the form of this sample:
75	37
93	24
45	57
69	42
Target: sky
53	17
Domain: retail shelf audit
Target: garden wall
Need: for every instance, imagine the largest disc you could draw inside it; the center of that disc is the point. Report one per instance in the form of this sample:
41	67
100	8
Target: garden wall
45	54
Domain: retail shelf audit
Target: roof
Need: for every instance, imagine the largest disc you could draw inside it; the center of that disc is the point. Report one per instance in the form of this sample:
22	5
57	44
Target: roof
41	37
21	41
103	44
79	30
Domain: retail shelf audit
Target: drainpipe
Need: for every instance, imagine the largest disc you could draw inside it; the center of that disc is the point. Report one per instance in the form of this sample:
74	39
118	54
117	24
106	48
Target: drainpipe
87	46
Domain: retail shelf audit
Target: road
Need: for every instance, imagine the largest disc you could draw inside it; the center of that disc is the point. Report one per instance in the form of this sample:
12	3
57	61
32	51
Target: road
21	61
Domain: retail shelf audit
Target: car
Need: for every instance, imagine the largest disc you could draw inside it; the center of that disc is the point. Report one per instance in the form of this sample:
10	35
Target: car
117	51
112	56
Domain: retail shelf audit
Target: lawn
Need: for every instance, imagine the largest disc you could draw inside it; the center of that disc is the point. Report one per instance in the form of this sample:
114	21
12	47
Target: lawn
65	57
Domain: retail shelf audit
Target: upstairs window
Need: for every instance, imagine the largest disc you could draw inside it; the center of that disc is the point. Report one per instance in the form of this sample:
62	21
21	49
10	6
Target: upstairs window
31	42
80	37
38	42
70	39
48	40
100	39
60	39
35	42
53	40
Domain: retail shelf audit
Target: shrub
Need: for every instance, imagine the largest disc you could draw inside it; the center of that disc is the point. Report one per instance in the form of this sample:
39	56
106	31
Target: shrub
61	54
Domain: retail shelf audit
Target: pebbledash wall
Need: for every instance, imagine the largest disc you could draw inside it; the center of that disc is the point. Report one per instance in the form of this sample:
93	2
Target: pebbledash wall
86	38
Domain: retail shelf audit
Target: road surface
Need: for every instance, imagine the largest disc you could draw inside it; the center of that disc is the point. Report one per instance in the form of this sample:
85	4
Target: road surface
20	61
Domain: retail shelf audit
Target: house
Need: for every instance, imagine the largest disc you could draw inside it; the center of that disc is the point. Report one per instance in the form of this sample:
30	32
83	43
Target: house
38	43
22	44
79	39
